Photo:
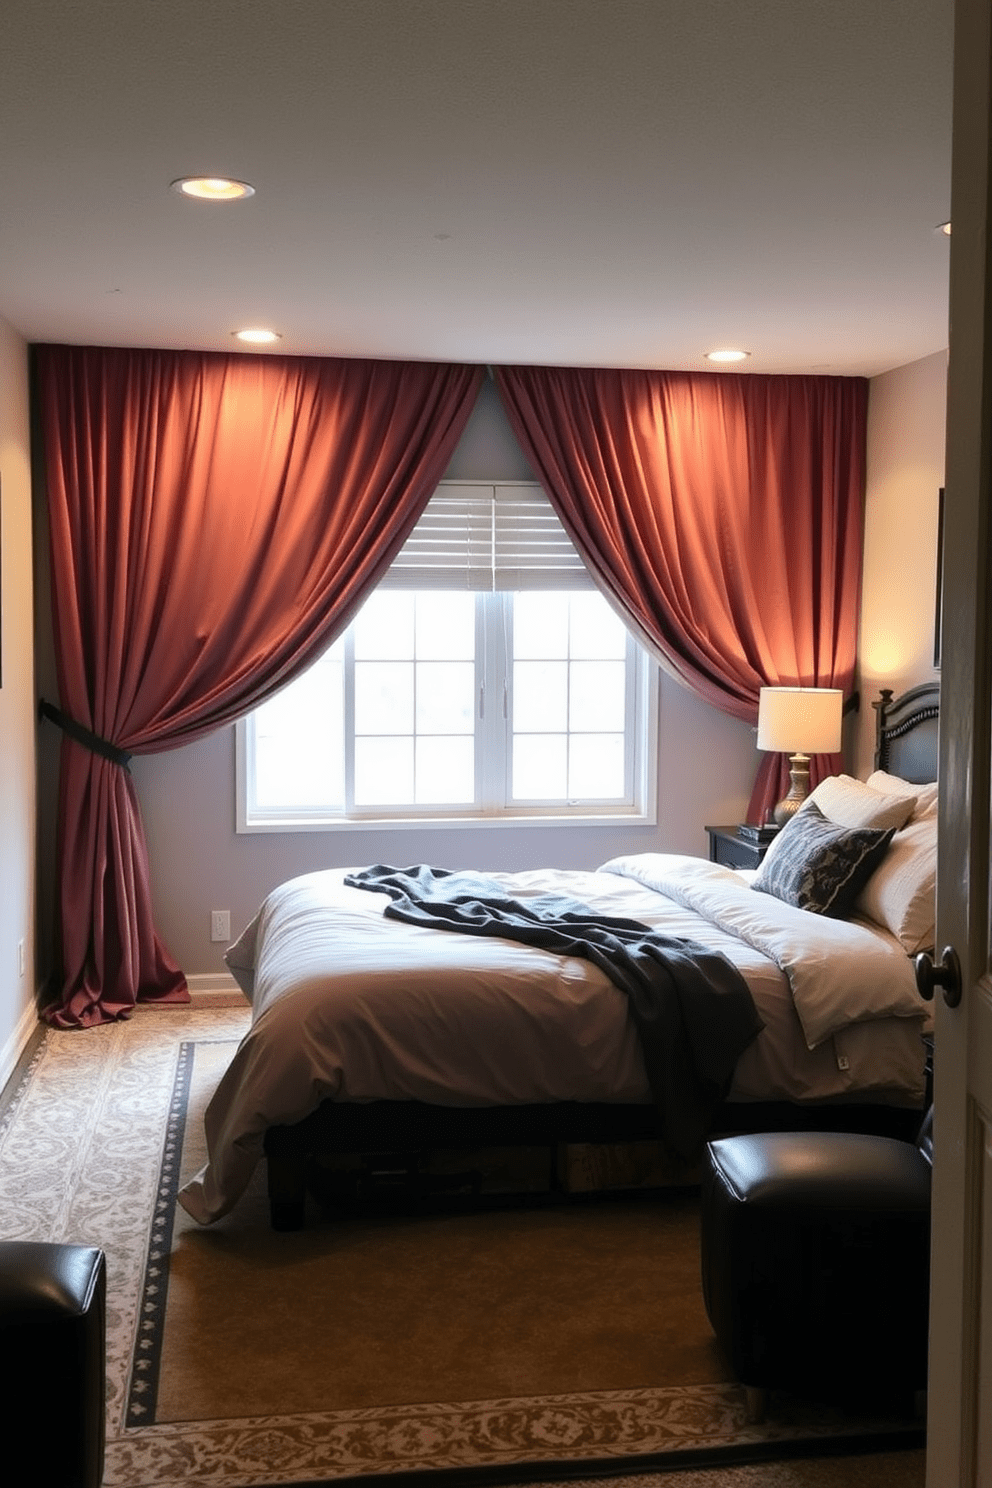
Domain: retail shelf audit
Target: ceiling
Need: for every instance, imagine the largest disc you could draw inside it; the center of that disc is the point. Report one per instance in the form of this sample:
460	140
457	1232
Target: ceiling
569	182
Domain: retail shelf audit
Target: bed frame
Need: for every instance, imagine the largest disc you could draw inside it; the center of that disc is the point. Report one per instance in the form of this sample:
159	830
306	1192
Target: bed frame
393	1136
906	732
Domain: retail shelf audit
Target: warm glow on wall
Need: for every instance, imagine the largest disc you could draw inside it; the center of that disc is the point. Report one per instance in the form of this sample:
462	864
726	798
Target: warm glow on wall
887	653
727	354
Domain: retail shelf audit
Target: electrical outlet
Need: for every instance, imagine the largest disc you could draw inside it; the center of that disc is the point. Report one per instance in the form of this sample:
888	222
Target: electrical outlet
220	924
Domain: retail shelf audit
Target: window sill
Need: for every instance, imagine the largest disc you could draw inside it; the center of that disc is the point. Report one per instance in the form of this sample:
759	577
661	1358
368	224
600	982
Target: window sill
446	824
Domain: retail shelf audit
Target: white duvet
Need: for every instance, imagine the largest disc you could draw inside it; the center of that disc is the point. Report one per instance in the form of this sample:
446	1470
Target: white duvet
349	1006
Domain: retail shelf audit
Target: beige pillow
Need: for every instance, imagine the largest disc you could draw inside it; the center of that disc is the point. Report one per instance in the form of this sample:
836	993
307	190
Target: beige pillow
240	958
901	894
925	796
850	803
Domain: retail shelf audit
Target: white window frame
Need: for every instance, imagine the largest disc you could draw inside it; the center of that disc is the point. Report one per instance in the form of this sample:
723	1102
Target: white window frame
529	567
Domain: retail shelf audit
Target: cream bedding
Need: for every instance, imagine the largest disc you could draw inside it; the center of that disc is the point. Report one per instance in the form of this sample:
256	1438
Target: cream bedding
349	1006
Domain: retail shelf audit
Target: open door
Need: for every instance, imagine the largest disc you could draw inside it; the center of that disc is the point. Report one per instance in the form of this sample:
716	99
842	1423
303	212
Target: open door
959	1450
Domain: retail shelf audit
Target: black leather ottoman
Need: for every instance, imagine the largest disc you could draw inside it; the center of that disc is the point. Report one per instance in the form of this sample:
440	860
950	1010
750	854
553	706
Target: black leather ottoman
52	1331
816	1260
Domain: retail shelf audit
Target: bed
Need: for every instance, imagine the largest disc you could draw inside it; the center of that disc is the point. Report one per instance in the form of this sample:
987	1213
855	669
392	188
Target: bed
374	1034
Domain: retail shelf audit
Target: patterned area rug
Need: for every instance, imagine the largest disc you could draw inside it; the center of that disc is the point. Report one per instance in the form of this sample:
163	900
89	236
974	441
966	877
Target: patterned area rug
91	1150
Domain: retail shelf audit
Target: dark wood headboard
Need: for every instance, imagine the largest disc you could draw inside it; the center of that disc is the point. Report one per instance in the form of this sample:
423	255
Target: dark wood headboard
906	732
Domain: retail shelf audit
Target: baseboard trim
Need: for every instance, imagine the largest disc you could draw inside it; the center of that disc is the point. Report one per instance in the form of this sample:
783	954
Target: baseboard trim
214	989
20	1046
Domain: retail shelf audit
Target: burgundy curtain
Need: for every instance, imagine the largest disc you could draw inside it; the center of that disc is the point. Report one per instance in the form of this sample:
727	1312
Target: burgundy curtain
215	520
722	512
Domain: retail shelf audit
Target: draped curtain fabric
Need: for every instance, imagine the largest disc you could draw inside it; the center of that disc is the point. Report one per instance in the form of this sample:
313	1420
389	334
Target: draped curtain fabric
215	520
722	513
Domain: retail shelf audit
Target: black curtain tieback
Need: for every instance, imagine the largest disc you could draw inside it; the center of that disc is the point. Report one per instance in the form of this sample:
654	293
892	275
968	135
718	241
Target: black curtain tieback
84	736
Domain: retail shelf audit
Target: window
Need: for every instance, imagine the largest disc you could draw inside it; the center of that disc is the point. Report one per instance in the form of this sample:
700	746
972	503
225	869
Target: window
485	679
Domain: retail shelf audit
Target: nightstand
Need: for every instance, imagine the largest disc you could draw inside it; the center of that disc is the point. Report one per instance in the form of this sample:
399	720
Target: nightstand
734	851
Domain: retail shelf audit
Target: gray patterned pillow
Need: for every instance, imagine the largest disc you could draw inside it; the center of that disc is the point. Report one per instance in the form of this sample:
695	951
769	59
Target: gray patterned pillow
816	865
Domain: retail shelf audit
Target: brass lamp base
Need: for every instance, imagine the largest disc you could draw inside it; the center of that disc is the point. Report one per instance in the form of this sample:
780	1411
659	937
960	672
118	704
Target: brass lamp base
798	790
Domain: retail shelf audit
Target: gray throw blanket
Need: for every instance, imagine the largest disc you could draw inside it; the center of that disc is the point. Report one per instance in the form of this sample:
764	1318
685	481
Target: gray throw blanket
692	1009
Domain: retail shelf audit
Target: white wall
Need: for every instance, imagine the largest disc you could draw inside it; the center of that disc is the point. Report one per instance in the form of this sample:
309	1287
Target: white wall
707	763
905	470
17	708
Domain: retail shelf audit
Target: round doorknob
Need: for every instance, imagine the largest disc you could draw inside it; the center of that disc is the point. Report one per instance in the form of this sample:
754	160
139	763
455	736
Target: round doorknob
946	974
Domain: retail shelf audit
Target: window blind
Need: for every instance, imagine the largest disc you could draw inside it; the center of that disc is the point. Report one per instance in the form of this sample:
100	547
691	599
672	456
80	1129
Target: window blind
493	537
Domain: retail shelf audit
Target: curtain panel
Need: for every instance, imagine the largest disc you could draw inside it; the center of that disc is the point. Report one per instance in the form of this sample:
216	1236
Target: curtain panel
215	521
721	512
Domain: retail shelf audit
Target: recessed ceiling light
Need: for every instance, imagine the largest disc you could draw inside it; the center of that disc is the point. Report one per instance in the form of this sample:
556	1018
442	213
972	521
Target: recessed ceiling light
213	188
257	335
727	354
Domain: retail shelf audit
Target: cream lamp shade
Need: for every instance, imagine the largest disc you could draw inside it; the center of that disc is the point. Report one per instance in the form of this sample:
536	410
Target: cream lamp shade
799	721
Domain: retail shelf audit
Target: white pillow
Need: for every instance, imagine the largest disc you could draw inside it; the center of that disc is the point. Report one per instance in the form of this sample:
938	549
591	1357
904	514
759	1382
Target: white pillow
925	796
901	894
853	804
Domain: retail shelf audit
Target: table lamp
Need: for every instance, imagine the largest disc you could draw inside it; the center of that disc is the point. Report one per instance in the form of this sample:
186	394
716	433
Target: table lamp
799	721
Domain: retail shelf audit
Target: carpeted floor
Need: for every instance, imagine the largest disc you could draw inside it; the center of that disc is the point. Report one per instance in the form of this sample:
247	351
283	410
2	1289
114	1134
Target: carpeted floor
570	1339
879	1470
408	1309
